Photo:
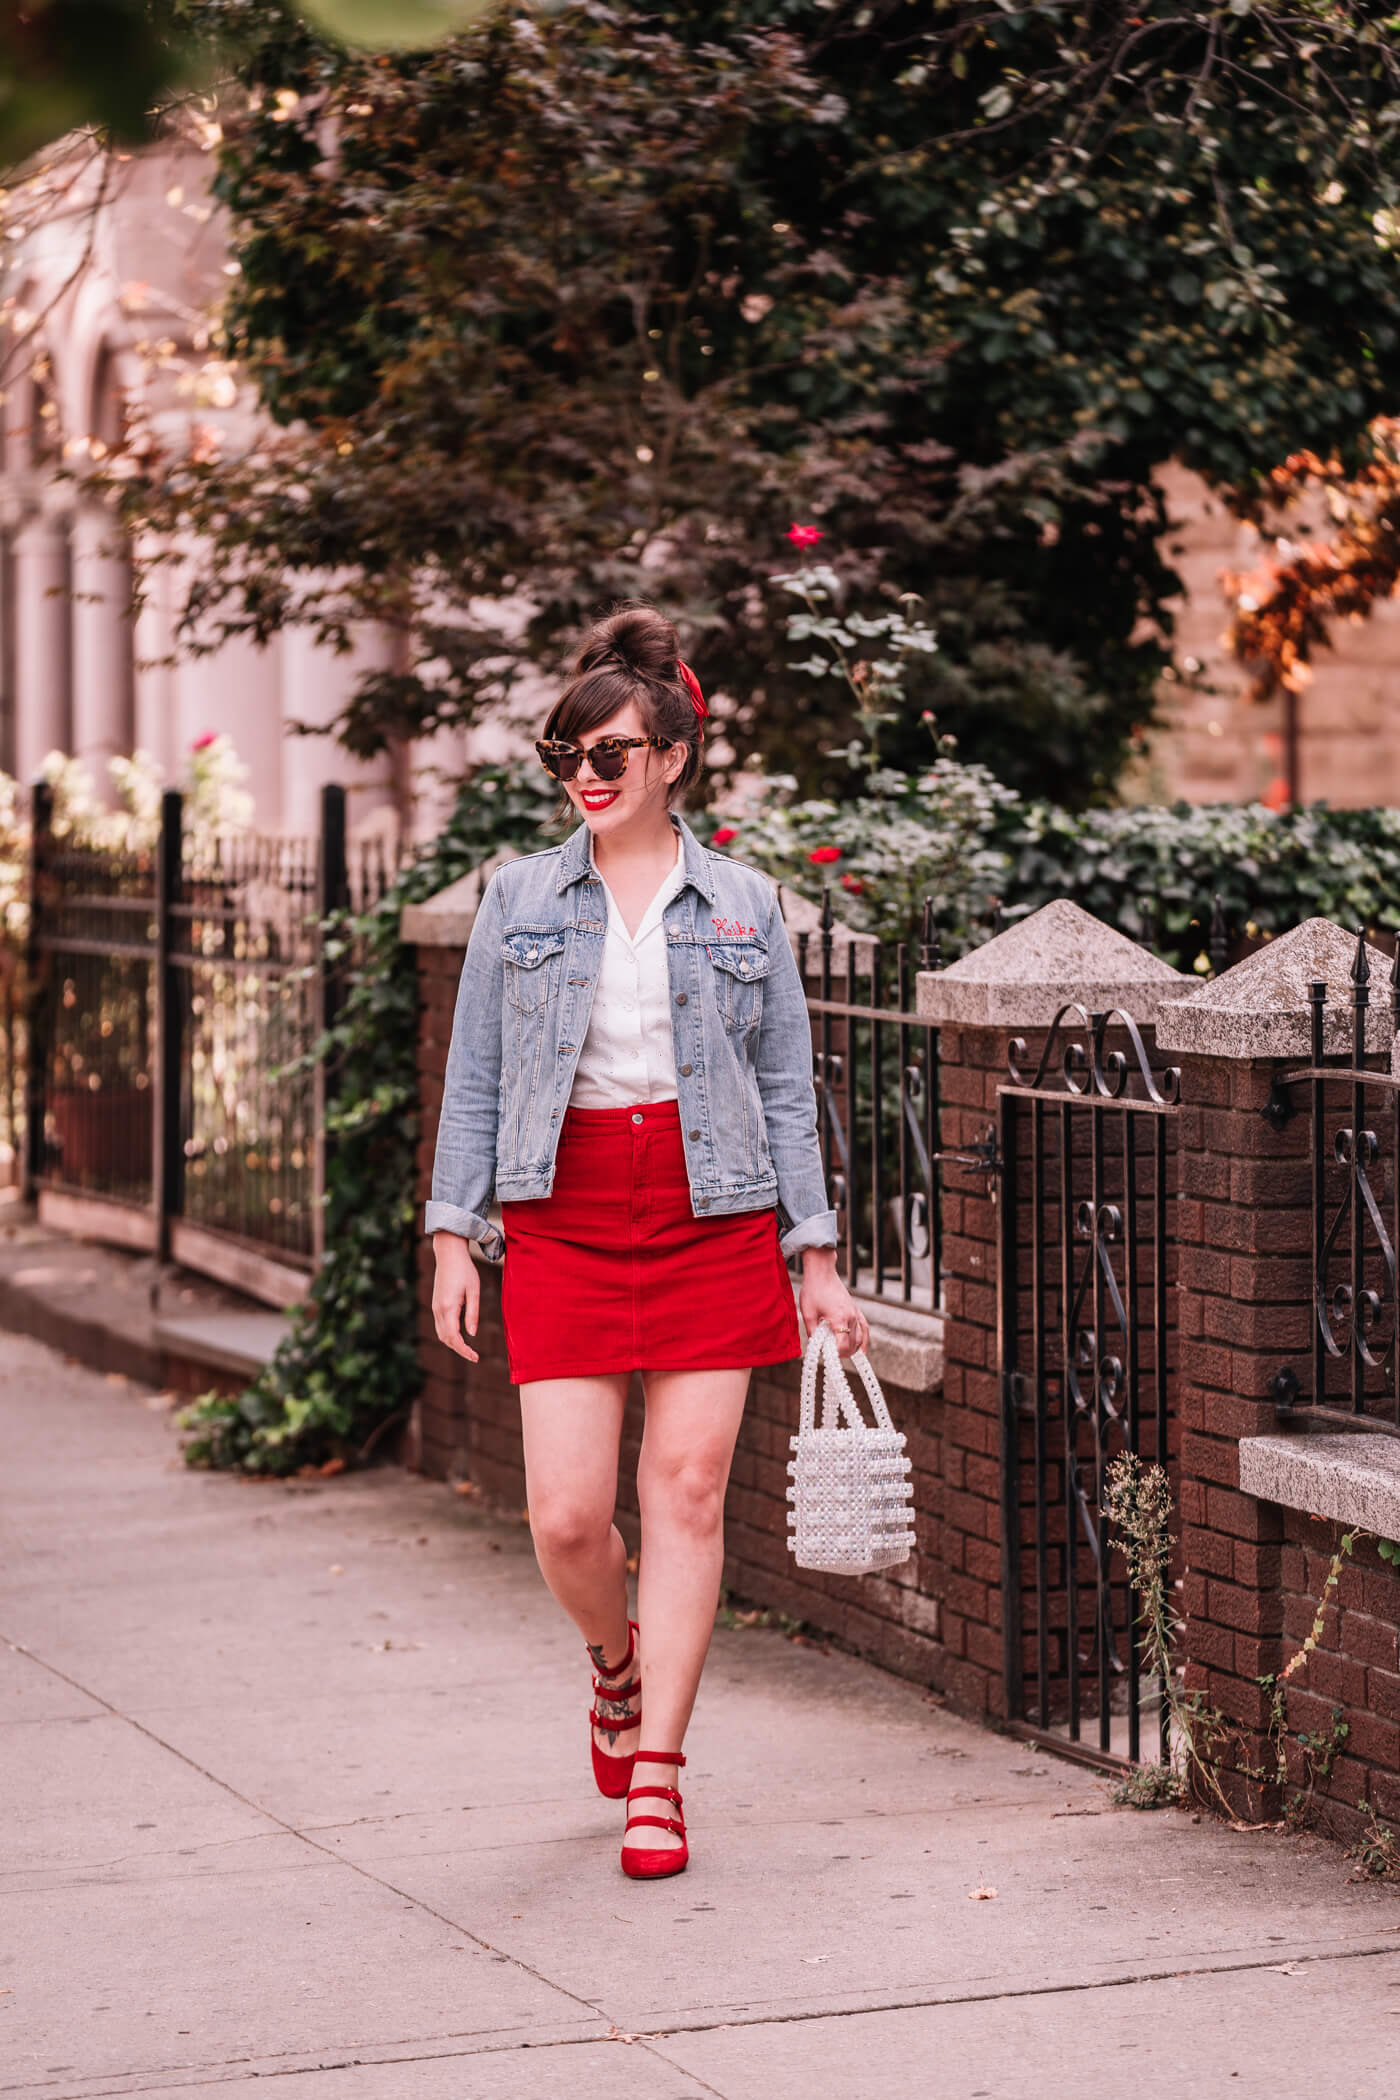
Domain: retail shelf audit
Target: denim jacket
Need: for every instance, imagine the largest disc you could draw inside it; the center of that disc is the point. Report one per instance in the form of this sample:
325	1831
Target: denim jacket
739	1023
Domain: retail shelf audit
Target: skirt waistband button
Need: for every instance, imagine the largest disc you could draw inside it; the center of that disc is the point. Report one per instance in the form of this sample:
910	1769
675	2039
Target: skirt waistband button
636	1119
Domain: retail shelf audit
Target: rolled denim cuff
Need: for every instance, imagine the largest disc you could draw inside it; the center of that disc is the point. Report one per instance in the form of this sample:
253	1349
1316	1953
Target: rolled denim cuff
816	1231
468	1225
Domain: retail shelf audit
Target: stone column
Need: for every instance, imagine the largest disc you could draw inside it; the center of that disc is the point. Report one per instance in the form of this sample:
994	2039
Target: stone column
42	655
1254	1567
102	645
316	685
1014	986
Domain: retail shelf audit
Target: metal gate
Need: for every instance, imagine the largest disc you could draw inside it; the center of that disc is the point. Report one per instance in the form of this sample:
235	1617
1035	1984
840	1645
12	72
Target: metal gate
1086	1362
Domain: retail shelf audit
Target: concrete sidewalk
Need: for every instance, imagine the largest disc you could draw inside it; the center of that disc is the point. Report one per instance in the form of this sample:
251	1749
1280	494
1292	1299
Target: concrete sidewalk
296	1792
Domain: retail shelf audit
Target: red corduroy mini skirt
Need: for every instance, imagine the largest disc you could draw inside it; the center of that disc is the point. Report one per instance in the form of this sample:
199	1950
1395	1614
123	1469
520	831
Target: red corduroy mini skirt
614	1272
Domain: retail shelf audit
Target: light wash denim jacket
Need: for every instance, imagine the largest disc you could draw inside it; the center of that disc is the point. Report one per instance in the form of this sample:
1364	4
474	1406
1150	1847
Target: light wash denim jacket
739	1022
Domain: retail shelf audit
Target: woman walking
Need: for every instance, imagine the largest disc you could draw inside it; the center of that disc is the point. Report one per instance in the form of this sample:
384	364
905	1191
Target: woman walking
630	1069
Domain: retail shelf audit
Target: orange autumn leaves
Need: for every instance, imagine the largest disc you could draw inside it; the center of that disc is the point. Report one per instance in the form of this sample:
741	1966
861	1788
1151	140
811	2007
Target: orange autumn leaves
1287	608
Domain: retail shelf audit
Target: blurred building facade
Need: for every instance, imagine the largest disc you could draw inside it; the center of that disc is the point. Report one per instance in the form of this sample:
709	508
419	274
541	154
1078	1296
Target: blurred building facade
109	297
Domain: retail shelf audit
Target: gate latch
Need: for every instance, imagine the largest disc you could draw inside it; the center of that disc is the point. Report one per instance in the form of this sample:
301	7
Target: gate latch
982	1158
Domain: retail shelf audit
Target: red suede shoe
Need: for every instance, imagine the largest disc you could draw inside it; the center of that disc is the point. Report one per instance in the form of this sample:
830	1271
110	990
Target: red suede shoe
653	1865
614	1774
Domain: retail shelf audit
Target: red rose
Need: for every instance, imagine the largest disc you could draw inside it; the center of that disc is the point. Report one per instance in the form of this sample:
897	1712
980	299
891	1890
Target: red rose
723	836
202	743
821	854
804	536
853	883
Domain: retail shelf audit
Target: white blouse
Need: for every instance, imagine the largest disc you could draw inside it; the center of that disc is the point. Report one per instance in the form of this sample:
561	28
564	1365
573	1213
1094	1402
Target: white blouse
628	1054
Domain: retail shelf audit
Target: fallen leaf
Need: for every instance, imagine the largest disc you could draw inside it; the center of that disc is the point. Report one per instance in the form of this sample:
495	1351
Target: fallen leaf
466	1487
332	1465
615	2034
982	1895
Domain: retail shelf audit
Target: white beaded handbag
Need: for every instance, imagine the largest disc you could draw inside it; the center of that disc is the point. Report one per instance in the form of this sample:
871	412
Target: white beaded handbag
848	1484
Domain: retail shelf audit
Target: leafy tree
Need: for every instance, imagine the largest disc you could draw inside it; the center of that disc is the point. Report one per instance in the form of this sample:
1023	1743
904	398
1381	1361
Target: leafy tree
597	299
113	63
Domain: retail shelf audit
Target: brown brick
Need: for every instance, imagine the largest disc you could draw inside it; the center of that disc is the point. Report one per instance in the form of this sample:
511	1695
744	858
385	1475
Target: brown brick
1209	1647
1370	1641
1211	1553
1204	1175
1372	1739
1285	1182
1211	1459
1334	1678
1247	1610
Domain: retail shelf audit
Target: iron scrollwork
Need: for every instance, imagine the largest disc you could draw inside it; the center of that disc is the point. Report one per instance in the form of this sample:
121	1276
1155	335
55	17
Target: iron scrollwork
1353	1321
1085	1066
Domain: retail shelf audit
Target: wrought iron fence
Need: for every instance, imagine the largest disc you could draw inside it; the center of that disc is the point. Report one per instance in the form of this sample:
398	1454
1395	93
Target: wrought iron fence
1353	1371
1084	1356
875	1065
175	992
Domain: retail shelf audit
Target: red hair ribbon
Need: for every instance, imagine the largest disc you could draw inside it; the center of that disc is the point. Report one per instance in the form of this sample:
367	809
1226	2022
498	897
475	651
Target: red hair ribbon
692	686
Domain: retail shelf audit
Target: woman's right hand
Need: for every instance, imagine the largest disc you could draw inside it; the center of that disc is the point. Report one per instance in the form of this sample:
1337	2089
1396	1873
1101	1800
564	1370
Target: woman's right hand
456	1292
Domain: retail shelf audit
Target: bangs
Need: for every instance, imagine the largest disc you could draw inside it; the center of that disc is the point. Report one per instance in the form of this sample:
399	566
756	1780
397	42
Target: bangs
594	699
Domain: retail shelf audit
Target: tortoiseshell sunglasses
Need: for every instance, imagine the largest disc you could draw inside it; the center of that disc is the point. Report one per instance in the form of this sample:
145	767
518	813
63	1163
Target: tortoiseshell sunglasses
608	757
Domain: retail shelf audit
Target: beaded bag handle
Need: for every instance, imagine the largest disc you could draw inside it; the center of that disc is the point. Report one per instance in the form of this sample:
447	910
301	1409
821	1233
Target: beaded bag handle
838	1402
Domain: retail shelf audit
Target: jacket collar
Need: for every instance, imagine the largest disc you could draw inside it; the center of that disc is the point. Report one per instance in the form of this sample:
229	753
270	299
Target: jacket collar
576	862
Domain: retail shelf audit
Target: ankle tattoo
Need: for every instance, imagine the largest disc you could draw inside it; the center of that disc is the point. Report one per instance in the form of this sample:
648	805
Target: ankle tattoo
604	1668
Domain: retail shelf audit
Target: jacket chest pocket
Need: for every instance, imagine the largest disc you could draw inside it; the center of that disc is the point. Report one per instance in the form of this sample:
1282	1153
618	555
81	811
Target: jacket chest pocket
738	968
531	962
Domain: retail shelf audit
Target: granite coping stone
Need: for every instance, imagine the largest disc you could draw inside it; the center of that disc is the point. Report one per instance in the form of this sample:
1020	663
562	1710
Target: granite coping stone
1260	1007
1061	955
1352	1477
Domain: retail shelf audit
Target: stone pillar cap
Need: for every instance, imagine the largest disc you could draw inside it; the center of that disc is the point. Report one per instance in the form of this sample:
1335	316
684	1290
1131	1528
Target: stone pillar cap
1260	1007
1060	955
446	919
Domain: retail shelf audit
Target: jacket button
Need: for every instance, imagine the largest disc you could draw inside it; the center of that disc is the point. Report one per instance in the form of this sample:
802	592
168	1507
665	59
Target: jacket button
686	1071
702	1203
694	1133
680	998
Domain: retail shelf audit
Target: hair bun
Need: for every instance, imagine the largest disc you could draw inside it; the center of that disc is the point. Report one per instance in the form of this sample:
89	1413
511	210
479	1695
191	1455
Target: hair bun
638	640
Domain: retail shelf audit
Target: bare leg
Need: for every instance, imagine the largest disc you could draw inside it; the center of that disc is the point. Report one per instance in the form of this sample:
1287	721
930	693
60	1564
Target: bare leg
692	1422
572	1430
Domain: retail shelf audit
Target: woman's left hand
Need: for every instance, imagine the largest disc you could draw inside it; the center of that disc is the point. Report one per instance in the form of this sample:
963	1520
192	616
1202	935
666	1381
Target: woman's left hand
824	1297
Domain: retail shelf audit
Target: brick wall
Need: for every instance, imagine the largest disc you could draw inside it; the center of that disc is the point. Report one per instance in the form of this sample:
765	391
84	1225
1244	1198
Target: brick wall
1354	1668
468	1426
1254	1571
972	1066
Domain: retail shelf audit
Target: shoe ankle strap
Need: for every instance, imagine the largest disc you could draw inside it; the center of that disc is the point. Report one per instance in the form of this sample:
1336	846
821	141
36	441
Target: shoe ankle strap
660	1757
626	1663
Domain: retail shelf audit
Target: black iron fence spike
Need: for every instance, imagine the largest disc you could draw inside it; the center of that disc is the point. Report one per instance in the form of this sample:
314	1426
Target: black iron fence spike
1361	961
828	917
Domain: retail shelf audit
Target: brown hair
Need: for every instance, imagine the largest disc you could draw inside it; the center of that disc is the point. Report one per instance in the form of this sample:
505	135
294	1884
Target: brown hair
631	655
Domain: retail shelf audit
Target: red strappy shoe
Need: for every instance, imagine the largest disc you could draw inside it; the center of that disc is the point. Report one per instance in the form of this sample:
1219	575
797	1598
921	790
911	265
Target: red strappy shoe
614	1774
652	1865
